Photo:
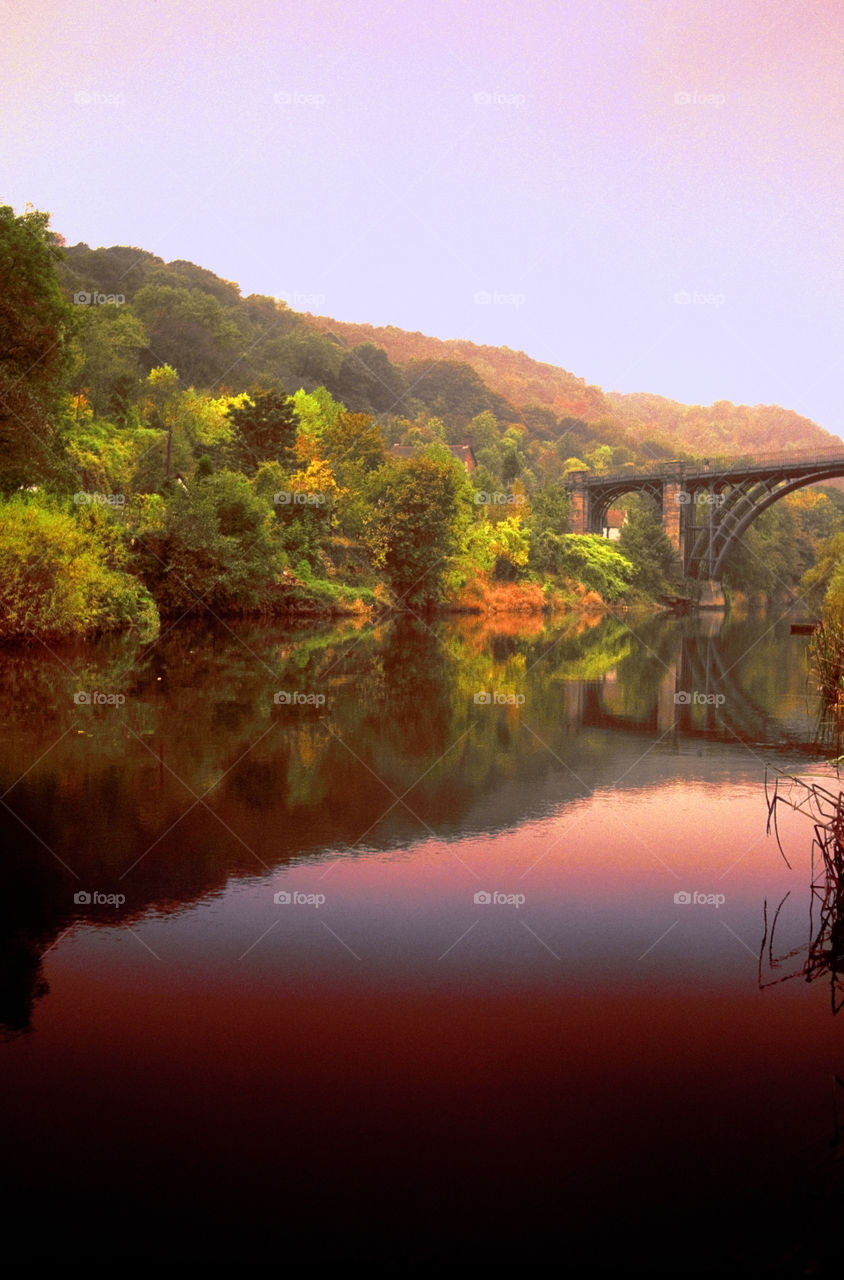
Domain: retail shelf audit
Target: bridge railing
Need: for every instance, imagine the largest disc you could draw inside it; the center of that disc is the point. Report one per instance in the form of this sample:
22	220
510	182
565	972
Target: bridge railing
719	465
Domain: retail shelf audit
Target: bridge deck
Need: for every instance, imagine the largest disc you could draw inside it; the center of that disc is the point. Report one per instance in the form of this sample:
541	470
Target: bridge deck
697	469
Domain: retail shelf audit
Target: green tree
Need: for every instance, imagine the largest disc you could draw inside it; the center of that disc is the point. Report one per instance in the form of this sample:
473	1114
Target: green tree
600	459
824	582
213	544
421	509
647	546
483	431
574	464
163	412
110	340
190	330
315	410
63	574
264	430
353	445
367	381
501	547
547	521
36	329
453	391
511	465
594	561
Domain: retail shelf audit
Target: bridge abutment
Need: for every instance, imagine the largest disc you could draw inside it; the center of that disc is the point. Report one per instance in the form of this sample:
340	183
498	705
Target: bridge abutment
579	512
673	500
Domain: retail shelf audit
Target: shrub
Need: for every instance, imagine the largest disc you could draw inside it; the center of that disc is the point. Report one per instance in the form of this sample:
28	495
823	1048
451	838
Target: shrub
61	574
213	543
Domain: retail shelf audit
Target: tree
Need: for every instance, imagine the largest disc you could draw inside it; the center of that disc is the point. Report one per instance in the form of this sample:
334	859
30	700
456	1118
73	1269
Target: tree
62	574
191	331
825	580
453	391
110	340
162	408
600	459
541	421
645	543
420	510
594	561
304	507
353	445
549	514
315	411
36	328
502	546
484	431
265	427
510	465
368	382
213	544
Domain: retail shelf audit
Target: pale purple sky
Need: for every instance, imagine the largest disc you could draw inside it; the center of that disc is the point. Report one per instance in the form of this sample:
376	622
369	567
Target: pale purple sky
645	192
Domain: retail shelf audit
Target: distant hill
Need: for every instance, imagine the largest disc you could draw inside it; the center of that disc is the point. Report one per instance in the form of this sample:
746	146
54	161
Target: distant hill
722	427
512	374
215	337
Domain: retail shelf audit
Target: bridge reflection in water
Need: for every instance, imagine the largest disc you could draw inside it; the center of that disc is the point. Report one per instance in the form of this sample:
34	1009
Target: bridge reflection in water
700	695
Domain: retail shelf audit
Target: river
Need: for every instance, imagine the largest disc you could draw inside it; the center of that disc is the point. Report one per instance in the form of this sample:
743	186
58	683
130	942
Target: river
411	943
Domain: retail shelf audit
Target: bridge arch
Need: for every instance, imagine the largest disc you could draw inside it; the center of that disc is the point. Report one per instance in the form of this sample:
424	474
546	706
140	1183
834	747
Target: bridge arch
730	494
732	536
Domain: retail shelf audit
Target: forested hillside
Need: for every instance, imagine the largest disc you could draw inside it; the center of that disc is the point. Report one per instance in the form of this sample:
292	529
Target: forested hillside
718	428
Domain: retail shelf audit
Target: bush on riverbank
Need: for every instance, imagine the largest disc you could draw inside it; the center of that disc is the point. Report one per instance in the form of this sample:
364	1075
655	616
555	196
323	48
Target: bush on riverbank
62	574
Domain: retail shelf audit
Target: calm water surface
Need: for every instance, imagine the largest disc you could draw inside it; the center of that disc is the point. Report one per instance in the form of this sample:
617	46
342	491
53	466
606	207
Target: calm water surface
400	969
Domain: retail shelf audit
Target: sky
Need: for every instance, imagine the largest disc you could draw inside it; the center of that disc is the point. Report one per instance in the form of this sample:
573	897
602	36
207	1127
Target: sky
647	193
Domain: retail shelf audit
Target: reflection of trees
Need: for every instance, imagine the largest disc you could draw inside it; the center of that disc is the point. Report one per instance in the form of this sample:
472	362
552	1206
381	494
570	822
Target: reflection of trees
21	980
201	776
824	952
